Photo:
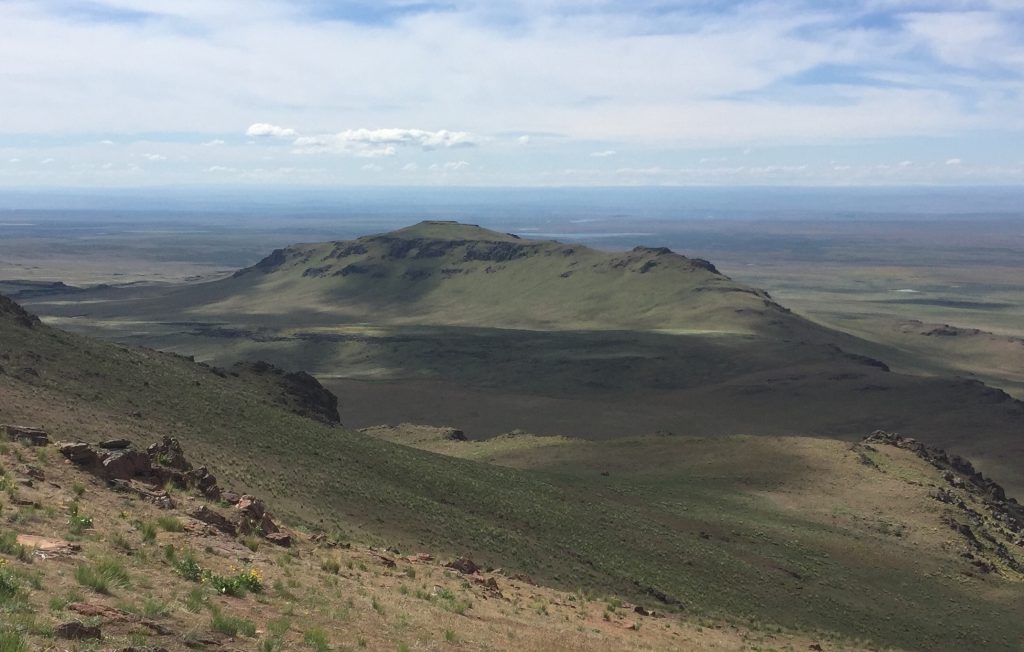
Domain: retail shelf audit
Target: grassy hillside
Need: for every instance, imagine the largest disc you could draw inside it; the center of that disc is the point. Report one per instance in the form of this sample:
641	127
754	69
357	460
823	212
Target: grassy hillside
76	554
552	338
745	538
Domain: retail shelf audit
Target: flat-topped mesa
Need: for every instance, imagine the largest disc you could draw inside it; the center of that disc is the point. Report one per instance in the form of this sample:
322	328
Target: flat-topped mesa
447	273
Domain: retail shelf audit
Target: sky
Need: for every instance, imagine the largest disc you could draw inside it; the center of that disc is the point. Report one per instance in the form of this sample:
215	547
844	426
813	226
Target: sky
266	93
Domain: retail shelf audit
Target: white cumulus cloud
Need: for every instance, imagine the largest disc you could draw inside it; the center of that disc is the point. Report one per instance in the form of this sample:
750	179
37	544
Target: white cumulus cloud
264	129
604	153
382	142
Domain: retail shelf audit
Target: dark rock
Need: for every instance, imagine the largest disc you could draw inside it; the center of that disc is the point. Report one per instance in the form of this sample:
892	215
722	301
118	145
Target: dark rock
19	315
214	518
280	539
204	481
254	517
644	612
454	434
115	444
27	435
463	565
77	631
300	392
34	472
80	453
276	259
658	594
125	464
158	497
230	497
169	453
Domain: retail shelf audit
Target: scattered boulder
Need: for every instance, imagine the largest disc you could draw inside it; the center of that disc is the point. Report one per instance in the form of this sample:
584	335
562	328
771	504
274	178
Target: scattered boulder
80	453
168	453
384	559
255	518
125	464
280	539
114	444
464	565
149	493
230	497
27	434
77	631
204	481
34	472
215	519
454	434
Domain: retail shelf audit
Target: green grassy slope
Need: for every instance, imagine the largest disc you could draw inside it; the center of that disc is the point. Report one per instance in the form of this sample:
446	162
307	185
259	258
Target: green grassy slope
437	273
758	559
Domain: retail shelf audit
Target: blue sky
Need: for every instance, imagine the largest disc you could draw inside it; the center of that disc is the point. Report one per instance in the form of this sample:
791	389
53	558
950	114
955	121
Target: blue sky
535	92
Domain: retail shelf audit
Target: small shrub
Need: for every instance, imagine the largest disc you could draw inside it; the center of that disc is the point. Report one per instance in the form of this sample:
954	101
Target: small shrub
196	600
12	641
231	625
61	602
78	490
102	575
148	531
170	524
449	635
11	591
330	565
9	544
316	639
77	523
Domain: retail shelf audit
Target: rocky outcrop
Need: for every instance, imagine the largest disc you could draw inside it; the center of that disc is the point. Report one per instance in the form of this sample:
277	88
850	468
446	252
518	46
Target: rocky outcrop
254	517
26	434
215	519
988	522
463	565
300	392
160	464
17	314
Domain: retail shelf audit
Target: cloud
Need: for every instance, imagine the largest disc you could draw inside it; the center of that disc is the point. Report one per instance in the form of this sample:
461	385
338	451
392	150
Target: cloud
603	153
221	168
523	140
106	142
216	142
154	157
372	167
382	142
450	166
410	167
953	161
263	130
14	160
